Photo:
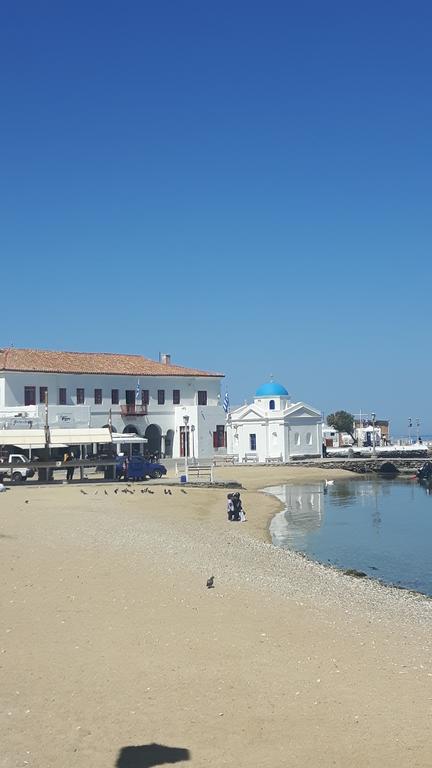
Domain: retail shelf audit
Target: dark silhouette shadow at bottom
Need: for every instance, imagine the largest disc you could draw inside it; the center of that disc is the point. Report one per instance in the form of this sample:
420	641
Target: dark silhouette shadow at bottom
148	755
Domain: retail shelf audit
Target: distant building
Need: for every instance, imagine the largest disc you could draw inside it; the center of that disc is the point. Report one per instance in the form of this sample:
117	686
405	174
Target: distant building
133	394
274	428
364	429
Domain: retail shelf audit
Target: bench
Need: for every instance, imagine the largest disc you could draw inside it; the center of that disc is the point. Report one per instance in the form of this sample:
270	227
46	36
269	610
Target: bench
201	471
274	459
225	458
250	458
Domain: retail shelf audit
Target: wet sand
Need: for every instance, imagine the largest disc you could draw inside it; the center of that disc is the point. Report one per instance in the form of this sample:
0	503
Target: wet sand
109	638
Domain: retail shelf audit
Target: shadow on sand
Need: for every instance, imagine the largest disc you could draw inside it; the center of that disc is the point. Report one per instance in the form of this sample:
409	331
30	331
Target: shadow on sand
148	755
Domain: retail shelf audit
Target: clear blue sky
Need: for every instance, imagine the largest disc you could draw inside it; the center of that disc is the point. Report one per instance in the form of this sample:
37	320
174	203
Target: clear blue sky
245	185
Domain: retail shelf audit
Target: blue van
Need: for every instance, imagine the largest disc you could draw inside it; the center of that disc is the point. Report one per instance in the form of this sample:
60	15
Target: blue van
137	468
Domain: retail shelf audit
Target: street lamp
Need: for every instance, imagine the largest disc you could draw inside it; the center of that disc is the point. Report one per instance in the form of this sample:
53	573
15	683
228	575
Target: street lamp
418	429
186	422
192	429
373	434
409	430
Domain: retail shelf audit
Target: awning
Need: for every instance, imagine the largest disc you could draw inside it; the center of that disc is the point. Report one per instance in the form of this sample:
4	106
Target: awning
129	438
28	438
35	438
79	436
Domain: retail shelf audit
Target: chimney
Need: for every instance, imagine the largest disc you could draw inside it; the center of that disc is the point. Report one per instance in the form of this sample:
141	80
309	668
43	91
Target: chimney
164	358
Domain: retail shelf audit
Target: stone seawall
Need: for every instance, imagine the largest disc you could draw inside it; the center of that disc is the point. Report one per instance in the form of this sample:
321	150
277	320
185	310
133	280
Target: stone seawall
363	466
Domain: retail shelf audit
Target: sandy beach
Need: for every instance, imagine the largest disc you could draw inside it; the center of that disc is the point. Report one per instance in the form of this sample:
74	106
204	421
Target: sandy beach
109	638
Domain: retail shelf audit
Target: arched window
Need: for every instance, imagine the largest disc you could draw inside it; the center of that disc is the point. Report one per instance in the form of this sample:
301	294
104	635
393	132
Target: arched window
272	405
130	429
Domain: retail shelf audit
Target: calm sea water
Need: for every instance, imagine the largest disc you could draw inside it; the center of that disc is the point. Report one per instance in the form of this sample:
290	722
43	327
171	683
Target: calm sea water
381	527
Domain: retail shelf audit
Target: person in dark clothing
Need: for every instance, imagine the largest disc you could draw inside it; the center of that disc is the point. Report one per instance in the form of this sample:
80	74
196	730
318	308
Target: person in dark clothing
70	470
238	514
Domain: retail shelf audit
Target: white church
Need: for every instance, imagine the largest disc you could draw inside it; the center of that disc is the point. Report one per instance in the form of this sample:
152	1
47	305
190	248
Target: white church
273	428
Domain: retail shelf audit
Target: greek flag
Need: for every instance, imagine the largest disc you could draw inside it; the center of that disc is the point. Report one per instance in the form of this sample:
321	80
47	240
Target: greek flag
138	391
226	403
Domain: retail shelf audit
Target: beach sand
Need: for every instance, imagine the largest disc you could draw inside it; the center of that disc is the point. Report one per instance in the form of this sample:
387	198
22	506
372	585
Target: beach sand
109	638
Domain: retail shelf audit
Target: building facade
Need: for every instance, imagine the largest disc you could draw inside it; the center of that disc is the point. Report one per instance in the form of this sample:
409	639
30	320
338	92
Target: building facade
176	409
274	428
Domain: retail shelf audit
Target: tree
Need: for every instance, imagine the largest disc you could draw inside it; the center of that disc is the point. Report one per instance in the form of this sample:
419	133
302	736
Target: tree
342	421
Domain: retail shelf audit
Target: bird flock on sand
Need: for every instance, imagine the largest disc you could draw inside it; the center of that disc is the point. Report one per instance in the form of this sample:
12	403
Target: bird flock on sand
167	491
128	489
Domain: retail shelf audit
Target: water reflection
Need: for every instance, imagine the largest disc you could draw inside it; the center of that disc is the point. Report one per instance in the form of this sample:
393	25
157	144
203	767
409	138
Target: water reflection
368	524
304	508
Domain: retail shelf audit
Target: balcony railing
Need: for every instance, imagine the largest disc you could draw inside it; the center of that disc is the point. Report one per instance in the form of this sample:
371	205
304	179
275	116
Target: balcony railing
133	410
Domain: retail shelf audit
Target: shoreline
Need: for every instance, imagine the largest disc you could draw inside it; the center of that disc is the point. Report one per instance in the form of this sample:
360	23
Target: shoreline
109	637
346	571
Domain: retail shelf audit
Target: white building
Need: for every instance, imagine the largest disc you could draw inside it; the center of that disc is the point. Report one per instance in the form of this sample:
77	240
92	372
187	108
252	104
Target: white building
168	404
274	428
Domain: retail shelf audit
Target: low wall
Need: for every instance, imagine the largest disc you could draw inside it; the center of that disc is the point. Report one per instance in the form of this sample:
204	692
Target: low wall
362	466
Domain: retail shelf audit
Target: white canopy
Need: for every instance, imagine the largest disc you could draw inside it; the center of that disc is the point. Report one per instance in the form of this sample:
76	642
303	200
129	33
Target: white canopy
128	438
35	438
80	436
28	438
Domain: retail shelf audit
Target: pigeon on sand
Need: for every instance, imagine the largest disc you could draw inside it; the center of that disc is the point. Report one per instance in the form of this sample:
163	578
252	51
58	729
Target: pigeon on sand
210	582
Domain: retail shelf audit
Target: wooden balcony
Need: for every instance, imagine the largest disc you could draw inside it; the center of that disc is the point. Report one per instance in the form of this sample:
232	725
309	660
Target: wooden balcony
133	410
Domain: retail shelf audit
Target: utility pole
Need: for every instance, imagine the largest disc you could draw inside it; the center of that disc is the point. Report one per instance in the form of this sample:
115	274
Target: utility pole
186	422
47	434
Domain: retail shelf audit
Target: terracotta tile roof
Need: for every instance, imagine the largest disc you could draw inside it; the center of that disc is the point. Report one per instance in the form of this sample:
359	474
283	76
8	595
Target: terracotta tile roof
45	361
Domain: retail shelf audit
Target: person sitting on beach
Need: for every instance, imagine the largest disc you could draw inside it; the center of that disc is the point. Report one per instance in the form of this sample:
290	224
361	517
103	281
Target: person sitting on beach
239	513
230	507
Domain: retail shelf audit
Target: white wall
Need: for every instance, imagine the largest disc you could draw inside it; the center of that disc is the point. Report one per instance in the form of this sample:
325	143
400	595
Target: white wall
292	436
166	417
205	419
244	432
188	386
303	437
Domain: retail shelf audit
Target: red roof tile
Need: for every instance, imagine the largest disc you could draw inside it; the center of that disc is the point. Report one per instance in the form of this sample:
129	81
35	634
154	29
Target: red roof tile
45	361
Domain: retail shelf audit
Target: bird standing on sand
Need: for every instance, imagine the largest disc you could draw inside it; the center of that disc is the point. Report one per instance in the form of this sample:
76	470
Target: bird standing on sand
116	490
83	492
183	490
210	582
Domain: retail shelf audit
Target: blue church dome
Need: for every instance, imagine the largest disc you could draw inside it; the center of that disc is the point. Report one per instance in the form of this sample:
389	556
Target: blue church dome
272	389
